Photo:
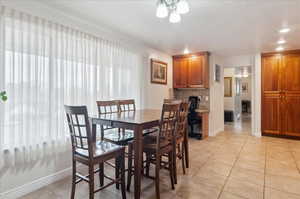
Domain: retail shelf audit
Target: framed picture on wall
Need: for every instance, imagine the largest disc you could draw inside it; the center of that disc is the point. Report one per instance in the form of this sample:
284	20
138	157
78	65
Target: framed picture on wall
217	73
245	87
159	72
227	86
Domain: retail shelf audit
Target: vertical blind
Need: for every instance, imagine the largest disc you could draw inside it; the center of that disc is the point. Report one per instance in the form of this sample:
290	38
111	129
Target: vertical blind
45	65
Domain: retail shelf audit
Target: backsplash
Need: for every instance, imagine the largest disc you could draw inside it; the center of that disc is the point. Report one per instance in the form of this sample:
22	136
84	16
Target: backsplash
185	93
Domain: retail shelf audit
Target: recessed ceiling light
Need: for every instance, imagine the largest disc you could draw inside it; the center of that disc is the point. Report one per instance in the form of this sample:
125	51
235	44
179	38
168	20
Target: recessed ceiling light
284	30
186	51
281	41
280	48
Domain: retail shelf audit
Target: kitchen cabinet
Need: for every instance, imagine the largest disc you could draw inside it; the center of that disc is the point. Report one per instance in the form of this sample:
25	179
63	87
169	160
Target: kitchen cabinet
281	93
191	71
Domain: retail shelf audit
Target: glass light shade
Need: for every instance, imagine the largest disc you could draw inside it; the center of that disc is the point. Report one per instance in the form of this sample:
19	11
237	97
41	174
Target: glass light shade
162	10
183	7
174	17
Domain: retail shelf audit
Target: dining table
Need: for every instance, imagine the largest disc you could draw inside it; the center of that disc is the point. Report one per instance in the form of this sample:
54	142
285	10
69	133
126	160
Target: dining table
137	121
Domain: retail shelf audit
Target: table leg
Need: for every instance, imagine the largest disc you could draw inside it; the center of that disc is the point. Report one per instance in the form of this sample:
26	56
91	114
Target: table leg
138	154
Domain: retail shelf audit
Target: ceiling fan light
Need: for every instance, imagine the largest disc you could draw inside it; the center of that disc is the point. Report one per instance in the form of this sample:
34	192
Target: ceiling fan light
174	17
162	10
183	7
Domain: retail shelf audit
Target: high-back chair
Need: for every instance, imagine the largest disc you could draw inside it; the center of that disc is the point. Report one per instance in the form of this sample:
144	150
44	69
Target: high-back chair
169	101
163	143
88	152
110	134
181	136
126	105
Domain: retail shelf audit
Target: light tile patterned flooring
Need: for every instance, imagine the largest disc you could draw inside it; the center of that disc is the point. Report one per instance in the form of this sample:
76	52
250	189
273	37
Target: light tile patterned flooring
232	165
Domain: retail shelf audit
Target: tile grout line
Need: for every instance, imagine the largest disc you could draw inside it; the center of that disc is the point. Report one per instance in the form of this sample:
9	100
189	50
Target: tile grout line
265	171
227	178
292	152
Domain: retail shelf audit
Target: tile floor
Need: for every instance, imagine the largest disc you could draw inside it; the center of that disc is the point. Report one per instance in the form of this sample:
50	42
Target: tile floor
232	165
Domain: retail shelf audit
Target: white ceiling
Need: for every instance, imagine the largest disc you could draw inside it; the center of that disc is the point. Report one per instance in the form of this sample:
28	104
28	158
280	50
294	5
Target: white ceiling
226	27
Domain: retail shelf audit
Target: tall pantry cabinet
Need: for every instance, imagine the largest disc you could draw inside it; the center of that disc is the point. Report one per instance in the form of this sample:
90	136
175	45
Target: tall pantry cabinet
281	93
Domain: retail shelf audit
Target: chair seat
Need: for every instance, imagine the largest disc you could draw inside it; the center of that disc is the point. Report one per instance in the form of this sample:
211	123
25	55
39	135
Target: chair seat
100	148
150	142
122	138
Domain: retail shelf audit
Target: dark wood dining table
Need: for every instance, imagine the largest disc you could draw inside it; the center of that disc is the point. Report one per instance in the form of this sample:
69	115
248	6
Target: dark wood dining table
137	121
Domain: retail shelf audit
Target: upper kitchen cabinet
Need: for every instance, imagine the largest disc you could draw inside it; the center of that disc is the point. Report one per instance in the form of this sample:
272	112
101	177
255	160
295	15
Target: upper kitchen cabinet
191	71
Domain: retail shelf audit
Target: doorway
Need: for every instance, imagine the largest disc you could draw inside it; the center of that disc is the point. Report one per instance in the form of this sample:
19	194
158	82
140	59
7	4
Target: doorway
238	99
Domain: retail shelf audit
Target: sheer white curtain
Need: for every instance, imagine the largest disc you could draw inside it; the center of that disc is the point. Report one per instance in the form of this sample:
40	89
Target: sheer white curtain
45	65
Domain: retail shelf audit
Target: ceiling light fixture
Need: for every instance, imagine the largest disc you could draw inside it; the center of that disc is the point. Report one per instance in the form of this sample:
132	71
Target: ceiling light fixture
281	41
284	30
174	7
186	51
280	48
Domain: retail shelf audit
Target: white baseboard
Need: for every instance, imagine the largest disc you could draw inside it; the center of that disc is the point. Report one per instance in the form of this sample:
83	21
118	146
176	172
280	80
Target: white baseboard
216	132
35	185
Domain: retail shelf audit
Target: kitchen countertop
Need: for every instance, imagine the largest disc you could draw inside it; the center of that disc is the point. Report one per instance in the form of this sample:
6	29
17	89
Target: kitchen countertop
202	110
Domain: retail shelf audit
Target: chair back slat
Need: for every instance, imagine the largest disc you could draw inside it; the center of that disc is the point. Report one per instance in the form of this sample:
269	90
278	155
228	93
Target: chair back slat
168	124
126	105
170	101
79	126
182	119
107	107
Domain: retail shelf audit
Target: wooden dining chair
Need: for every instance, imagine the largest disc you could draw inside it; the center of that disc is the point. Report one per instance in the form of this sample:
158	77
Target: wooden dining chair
168	101
181	137
156	147
89	153
117	136
108	133
126	105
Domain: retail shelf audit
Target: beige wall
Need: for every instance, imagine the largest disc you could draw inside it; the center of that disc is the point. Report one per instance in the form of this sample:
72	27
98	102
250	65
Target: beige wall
216	92
154	94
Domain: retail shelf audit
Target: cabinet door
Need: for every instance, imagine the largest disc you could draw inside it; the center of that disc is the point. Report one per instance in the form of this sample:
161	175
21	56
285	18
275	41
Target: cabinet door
271	67
291	72
291	114
196	72
291	94
271	96
271	118
180	70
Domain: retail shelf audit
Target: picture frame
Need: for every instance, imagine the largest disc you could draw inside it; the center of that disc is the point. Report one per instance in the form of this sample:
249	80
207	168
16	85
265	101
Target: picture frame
159	72
217	73
227	86
244	87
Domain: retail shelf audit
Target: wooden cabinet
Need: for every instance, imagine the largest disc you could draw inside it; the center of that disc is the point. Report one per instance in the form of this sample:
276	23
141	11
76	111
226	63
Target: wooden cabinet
180	72
191	71
281	93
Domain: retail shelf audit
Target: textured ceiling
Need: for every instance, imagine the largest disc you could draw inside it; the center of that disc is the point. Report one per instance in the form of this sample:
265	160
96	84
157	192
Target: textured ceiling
228	27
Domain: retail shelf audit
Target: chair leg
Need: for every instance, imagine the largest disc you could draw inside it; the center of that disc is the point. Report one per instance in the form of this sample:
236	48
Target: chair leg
129	173
122	166
157	168
148	157
101	174
174	158
183	157
117	171
172	169
73	179
91	183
